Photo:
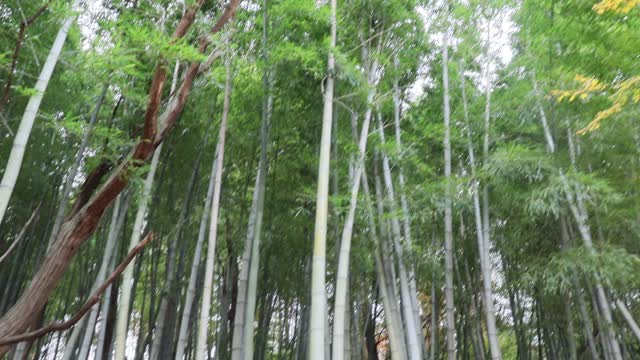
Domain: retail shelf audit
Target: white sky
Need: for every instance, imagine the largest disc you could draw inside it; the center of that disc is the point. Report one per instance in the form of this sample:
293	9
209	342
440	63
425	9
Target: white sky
501	51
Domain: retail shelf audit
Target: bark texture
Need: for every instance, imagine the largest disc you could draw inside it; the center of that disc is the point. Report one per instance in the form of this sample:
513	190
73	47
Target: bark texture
83	222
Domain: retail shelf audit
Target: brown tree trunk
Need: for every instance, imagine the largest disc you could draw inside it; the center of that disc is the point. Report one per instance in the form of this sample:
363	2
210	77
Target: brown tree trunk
82	223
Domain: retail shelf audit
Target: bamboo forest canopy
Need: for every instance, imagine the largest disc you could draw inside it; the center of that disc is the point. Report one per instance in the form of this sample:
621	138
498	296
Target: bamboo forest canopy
340	179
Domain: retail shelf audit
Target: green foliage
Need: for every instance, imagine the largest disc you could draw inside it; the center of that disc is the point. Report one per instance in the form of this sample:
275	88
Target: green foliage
514	162
548	198
596	191
529	189
24	91
611	265
508	344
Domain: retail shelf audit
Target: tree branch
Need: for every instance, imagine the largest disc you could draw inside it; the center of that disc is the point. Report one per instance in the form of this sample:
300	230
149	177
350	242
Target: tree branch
146	146
24	24
185	22
90	185
82	223
21	234
229	12
95	297
215	54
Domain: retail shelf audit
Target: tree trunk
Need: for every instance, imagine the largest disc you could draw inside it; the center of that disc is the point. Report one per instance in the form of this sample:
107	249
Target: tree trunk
413	347
243	332
169	288
342	276
482	230
346	328
384	271
14	163
370	334
117	219
263	326
257	235
73	171
551	147
571	337
435	312
523	347
14	276
96	195
141	339
588	329
626	314
195	265
162	345
404	206
226	297
127	278
473	316
581	217
448	221
127	282
203	323
317	326
108	310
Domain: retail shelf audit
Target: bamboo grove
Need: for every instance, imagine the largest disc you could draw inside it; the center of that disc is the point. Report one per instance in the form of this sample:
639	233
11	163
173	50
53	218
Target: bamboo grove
292	179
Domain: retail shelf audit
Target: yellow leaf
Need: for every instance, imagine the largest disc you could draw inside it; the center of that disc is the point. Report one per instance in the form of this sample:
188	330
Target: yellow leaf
616	6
